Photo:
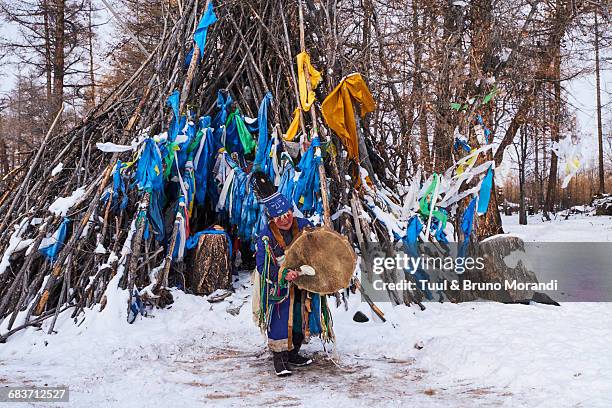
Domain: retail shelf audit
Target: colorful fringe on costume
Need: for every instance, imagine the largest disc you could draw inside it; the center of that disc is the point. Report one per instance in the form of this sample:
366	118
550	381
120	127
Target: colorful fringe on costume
315	315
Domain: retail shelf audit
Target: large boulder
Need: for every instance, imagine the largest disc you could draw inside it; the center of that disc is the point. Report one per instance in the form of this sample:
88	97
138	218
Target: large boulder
504	261
602	204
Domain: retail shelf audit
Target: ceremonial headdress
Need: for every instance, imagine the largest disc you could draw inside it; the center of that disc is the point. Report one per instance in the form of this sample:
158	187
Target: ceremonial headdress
276	203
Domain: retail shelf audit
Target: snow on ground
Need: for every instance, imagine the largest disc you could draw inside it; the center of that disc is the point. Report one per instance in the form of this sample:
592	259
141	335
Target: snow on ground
577	228
195	353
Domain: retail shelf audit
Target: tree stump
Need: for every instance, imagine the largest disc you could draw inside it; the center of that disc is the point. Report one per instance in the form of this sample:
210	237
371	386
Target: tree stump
209	268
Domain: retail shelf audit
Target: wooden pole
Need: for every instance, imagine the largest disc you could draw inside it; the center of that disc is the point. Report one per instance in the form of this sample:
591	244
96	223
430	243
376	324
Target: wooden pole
192	67
125	27
162	279
313	115
293	78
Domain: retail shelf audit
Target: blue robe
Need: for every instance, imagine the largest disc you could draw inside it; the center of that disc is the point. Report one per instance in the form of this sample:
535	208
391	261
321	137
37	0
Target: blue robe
278	329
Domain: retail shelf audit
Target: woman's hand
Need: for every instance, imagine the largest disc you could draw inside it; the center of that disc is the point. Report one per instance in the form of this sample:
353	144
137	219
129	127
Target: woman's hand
291	275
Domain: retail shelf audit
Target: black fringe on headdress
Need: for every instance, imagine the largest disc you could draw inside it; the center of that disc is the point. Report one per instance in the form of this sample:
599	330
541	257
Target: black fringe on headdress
262	186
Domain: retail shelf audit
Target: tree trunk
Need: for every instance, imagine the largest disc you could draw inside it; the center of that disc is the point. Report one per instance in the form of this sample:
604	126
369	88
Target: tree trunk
425	157
537	184
492	223
544	169
58	60
444	125
48	64
522	209
4	164
602	187
92	78
551	190
522	160
481	67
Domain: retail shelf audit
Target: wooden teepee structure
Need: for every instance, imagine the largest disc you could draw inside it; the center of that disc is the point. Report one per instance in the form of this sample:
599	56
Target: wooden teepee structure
249	50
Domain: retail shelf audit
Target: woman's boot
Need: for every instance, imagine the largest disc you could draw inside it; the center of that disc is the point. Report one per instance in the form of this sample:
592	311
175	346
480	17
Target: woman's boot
281	366
294	357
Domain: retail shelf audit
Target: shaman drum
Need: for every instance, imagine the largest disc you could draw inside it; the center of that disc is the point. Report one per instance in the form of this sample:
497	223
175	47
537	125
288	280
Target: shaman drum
328	253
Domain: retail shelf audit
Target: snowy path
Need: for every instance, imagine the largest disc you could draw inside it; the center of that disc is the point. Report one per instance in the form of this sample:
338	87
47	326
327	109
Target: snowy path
474	355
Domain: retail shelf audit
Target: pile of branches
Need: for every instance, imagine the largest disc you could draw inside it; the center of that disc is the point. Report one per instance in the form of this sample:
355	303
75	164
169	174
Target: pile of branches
250	50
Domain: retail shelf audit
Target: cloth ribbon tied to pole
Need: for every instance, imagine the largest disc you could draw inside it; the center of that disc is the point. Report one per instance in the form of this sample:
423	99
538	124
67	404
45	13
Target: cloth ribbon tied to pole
294	126
303	64
339	112
199	37
262	141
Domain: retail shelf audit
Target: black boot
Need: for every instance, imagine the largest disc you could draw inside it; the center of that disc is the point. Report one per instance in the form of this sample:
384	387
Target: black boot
281	367
299	361
294	357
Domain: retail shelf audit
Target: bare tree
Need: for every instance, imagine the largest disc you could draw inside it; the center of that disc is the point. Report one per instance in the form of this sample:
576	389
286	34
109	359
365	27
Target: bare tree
602	187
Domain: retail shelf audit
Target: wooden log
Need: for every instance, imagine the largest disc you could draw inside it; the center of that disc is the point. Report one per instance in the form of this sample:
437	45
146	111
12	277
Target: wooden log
126	28
190	71
210	266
